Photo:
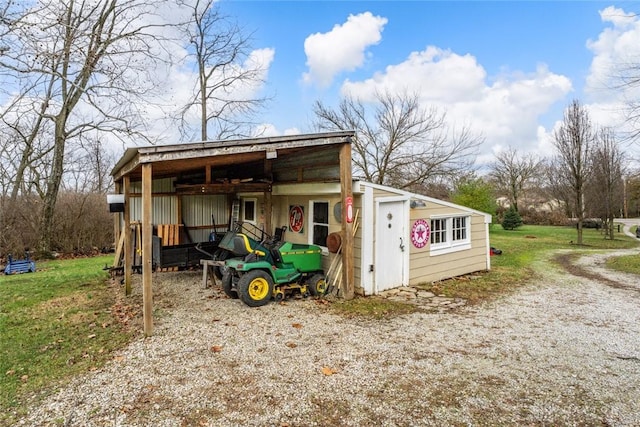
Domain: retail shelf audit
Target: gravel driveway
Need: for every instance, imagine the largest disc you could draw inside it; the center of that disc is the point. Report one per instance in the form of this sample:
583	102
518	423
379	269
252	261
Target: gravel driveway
562	351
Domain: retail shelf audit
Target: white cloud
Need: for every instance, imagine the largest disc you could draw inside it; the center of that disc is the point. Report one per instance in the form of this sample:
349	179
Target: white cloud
342	48
437	75
614	49
268	129
505	111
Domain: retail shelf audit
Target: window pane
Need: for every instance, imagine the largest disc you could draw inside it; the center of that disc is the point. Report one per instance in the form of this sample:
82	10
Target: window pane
249	210
320	233
321	212
459	228
438	231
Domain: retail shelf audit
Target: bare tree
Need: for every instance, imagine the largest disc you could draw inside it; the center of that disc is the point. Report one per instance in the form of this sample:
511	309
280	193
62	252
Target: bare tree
573	141
513	173
605	190
84	64
226	73
88	168
400	143
628	81
555	190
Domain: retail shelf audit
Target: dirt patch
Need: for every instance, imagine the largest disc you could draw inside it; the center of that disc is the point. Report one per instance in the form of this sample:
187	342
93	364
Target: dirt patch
568	263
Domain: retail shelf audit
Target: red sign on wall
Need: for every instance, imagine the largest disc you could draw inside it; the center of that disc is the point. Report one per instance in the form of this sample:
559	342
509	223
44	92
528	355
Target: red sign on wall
296	218
349	209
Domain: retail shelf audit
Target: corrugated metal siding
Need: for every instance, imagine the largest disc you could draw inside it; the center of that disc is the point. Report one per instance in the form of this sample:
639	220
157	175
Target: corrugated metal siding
164	185
164	209
198	211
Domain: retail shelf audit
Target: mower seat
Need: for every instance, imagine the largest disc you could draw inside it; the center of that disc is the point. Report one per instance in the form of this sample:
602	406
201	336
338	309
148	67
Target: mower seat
242	246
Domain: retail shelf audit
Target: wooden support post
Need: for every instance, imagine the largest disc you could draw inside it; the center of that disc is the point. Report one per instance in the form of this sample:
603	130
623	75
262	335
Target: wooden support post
147	252
128	249
116	219
268	204
347	285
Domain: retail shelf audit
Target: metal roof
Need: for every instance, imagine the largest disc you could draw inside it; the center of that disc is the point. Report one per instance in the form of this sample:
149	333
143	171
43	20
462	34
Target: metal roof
179	157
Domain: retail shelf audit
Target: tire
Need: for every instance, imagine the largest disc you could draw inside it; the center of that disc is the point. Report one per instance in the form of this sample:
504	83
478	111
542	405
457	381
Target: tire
255	288
316	285
227	286
220	255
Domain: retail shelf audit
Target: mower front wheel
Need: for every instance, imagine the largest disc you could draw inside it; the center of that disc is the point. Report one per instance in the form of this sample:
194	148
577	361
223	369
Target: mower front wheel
255	288
317	285
221	255
227	286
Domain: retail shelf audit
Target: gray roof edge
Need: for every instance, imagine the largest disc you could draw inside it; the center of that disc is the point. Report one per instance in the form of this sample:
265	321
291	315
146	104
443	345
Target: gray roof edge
132	152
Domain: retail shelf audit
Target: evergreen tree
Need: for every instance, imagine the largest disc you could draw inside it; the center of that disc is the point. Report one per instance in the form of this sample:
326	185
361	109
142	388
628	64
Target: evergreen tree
512	219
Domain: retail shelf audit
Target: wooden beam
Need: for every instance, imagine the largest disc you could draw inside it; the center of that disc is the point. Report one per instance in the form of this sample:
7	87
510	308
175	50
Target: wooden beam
128	249
226	188
119	247
147	255
348	285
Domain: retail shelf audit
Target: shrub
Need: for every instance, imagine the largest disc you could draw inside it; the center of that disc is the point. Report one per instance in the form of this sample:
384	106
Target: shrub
512	219
532	216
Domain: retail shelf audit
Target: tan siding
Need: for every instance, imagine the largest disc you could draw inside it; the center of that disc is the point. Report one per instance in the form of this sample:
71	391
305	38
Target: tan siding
281	206
426	268
382	193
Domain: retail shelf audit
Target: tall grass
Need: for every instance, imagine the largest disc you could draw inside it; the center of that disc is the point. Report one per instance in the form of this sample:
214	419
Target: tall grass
54	323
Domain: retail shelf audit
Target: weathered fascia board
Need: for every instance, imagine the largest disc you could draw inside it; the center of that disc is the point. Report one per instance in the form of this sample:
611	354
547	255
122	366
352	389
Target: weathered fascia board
132	159
126	169
302	140
193	189
168	153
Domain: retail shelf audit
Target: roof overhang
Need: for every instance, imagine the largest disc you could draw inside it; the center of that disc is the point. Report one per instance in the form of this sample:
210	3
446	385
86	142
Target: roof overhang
170	159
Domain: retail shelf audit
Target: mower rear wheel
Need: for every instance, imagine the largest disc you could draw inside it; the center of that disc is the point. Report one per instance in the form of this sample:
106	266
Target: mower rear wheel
317	285
255	288
227	286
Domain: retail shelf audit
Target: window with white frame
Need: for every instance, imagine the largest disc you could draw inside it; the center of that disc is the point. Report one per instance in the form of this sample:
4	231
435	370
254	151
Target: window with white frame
449	234
319	223
249	210
438	231
459	229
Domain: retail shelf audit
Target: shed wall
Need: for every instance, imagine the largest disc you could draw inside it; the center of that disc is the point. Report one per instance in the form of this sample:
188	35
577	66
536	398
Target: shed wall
426	266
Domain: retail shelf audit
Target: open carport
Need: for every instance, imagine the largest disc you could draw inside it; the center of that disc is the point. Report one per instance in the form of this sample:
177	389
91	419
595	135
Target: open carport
165	183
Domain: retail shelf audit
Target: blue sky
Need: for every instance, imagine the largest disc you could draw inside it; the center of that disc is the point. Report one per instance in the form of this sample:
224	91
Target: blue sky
507	67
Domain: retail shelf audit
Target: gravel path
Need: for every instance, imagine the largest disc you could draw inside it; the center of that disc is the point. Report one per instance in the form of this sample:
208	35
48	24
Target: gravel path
565	351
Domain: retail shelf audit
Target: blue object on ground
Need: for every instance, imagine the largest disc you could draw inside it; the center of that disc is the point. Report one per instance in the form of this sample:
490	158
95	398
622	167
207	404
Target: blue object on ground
20	266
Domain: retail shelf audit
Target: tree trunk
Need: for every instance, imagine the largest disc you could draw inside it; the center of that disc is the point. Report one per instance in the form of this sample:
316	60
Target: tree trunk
53	187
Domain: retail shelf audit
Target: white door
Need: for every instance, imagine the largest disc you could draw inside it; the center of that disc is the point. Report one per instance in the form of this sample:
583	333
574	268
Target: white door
390	245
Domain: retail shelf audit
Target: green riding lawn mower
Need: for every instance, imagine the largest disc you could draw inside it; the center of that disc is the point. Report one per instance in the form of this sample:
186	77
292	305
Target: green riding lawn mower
258	267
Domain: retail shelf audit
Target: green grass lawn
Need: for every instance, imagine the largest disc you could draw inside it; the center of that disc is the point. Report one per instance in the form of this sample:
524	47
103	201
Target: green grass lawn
521	248
54	323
